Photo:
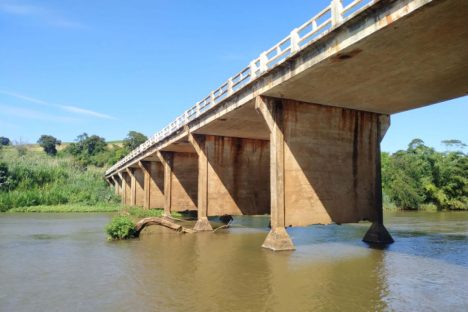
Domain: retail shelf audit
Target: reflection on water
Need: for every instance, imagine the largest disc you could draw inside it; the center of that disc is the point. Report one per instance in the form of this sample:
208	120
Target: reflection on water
62	262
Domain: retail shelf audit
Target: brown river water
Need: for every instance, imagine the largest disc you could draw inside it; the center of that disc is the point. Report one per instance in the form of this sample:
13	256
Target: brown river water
63	262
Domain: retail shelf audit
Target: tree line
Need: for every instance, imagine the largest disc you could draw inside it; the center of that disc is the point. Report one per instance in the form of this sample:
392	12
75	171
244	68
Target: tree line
87	149
421	176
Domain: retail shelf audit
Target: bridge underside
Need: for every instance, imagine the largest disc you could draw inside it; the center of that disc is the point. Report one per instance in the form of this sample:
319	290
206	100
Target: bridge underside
415	61
302	143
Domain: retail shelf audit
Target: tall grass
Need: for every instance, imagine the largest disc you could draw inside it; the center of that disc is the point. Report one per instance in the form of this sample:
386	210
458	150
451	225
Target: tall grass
37	179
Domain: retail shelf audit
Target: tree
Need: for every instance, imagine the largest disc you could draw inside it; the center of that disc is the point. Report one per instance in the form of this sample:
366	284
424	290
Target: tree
133	140
420	175
49	144
4	141
457	144
88	149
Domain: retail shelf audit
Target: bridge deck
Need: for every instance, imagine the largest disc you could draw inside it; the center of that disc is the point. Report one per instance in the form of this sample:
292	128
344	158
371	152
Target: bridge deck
390	57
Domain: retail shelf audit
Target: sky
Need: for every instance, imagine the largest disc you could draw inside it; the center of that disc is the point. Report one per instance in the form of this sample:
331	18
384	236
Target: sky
107	67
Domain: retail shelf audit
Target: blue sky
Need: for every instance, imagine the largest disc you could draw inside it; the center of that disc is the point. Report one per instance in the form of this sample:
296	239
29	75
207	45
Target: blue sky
106	67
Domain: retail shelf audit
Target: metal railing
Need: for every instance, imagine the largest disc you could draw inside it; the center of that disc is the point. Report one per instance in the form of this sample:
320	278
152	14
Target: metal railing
330	17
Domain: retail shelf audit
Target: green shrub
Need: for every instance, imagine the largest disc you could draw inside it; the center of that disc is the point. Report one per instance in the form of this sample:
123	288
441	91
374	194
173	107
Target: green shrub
120	227
37	179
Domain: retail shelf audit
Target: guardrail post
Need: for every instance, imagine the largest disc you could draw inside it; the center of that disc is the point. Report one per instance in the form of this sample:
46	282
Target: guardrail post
263	62
294	37
253	69
198	109
336	8
212	98
229	86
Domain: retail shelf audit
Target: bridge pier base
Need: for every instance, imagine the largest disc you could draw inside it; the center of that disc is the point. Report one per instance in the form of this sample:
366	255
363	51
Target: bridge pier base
278	240
324	167
378	235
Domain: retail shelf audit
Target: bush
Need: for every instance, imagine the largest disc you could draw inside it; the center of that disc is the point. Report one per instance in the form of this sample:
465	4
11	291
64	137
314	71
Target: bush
36	179
120	227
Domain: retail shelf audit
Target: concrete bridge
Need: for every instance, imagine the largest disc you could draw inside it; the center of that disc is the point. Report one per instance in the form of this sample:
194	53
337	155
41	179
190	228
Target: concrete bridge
296	134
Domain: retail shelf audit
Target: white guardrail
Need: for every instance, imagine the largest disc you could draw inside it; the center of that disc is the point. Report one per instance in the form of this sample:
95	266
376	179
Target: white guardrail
333	15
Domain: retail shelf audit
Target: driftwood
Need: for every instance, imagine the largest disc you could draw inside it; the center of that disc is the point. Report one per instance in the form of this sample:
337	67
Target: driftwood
160	221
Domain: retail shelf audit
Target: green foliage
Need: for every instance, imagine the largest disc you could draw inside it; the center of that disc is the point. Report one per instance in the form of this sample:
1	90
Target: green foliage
133	140
87	149
5	179
21	149
421	176
36	179
69	208
120	227
4	141
49	143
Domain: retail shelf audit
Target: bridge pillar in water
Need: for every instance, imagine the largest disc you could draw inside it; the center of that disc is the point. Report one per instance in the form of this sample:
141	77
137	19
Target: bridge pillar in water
324	167
153	184
125	189
131	200
233	177
180	181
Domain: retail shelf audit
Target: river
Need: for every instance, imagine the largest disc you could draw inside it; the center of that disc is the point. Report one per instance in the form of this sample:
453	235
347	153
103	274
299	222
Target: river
63	262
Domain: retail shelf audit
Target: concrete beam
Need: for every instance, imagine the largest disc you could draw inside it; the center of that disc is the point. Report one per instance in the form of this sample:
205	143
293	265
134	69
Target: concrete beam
116	184
198	143
144	166
272	110
130	174
125	187
167	159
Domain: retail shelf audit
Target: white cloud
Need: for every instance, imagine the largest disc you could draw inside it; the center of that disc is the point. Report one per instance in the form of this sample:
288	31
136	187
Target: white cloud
44	15
68	108
83	111
33	114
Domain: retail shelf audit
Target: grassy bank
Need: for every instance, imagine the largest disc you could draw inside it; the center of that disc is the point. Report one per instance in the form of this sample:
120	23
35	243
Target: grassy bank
69	208
36	179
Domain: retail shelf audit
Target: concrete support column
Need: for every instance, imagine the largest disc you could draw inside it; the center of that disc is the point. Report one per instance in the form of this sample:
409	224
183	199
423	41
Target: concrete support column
198	142
124	187
130	172
167	159
278	239
325	167
377	233
145	167
116	184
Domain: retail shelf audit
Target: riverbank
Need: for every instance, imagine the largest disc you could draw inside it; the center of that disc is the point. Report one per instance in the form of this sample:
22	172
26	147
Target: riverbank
68	208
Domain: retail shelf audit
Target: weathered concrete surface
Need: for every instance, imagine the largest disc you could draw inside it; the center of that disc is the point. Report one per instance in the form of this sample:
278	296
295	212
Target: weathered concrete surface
117	184
397	60
184	182
156	184
139	187
378	235
330	157
126	185
237	175
278	240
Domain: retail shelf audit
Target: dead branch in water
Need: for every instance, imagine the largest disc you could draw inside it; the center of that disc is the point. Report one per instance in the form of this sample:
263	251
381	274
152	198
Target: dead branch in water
160	221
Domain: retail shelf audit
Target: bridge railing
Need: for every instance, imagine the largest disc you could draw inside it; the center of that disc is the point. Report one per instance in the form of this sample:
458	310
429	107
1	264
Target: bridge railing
330	17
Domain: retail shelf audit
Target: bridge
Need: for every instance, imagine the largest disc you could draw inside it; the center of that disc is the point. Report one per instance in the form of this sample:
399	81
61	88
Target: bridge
296	133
